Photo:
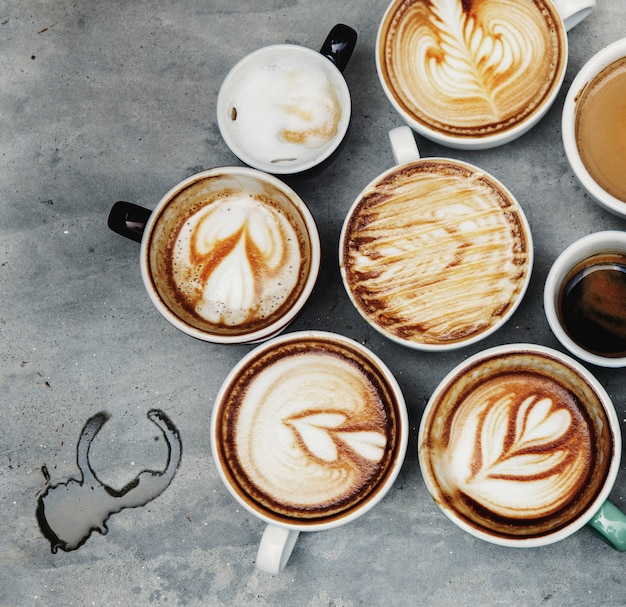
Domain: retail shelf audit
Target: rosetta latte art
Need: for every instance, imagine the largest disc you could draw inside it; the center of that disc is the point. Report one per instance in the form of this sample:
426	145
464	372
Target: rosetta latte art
471	67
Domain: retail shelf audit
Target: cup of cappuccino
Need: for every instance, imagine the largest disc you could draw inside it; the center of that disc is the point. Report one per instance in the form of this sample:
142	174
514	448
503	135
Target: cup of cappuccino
286	108
593	129
520	446
585	298
435	253
229	255
474	75
309	432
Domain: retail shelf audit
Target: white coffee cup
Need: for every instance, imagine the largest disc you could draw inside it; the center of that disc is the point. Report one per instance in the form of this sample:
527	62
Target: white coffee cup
286	108
585	81
520	446
309	432
474	76
196	247
590	319
435	253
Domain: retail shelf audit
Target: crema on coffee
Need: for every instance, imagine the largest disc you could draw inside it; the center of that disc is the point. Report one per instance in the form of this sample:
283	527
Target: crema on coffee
308	430
471	69
435	253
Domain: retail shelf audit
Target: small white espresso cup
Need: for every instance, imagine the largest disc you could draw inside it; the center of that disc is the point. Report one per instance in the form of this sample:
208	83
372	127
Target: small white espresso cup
309	432
585	298
286	108
475	77
588	79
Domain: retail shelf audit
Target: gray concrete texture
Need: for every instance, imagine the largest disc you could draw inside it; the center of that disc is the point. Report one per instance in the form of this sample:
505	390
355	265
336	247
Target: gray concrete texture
102	101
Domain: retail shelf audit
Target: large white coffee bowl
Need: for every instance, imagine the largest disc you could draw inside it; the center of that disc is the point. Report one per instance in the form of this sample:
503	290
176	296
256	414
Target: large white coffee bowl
587	73
601	515
571	12
610	241
405	151
279	537
234	177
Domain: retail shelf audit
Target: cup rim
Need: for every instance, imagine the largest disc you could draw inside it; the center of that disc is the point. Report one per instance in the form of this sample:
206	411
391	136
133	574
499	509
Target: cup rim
612	471
466	142
477	337
278	169
395	468
262	333
594	65
577	251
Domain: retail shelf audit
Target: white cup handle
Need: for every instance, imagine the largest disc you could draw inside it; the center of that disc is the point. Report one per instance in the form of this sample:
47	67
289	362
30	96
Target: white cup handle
403	145
275	548
573	11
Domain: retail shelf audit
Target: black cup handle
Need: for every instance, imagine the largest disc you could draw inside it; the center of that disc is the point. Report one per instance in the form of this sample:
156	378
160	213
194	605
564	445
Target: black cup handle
128	219
339	45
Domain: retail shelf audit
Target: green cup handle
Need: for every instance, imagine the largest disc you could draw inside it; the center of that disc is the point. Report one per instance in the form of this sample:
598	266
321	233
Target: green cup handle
610	524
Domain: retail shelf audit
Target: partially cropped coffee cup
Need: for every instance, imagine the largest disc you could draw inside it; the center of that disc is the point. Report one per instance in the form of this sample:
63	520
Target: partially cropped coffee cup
308	432
435	253
229	255
520	446
474	75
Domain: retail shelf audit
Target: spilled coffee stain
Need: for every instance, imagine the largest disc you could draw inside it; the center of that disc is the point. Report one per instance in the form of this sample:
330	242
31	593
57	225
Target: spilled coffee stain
69	512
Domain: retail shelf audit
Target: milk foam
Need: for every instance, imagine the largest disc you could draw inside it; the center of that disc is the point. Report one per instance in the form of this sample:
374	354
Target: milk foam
436	255
311	431
285	108
237	260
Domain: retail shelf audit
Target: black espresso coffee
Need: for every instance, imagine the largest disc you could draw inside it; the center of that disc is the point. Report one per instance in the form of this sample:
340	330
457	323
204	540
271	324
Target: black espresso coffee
515	445
308	430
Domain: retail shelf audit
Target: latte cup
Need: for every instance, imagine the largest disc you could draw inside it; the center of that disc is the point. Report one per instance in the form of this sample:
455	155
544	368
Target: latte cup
474	75
520	446
593	127
585	298
229	255
308	432
435	253
286	108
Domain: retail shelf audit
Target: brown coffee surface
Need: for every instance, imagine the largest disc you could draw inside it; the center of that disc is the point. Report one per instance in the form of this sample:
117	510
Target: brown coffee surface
229	255
471	69
516	447
601	129
435	253
308	431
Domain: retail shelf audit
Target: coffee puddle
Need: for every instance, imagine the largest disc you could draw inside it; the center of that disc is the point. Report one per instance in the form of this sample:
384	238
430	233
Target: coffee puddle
69	512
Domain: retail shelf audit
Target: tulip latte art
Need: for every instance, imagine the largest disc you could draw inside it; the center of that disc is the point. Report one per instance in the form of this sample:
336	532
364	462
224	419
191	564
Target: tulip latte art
471	68
513	449
308	431
435	253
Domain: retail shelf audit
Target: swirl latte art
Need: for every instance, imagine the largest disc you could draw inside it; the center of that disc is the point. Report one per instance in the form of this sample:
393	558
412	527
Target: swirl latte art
471	68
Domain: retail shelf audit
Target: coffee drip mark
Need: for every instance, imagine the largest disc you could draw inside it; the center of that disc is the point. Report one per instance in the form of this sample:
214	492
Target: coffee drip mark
69	512
320	434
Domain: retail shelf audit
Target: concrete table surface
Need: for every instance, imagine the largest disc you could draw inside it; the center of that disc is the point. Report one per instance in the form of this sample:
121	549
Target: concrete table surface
105	101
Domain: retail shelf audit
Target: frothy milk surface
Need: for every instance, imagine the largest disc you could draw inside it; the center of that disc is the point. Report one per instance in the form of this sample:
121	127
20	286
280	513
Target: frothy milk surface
284	107
308	431
471	68
435	253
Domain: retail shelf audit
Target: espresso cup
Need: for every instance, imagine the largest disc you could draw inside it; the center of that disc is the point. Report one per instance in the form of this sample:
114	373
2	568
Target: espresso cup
309	432
593	127
435	253
520	446
474	75
585	298
229	255
286	108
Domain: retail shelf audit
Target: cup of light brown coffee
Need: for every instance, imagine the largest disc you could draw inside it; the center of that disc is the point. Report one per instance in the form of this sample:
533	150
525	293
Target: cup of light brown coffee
435	253
593	129
475	75
309	432
520	446
229	255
